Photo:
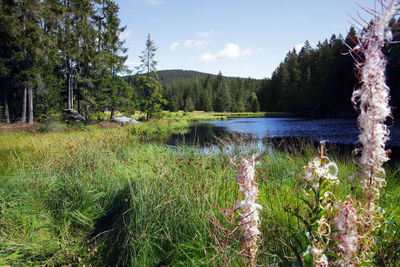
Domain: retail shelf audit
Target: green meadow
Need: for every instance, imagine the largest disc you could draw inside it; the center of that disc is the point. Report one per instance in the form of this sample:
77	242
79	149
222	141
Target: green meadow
117	196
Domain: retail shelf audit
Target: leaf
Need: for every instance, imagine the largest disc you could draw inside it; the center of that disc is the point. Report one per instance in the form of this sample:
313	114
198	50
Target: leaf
307	202
320	214
308	260
369	264
322	192
329	253
295	251
305	222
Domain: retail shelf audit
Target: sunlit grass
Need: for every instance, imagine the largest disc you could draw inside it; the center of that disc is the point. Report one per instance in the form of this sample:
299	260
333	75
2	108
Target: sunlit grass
102	196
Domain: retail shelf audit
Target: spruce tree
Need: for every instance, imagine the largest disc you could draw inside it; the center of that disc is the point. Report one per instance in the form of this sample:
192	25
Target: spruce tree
148	83
222	100
30	37
86	53
117	93
147	58
8	48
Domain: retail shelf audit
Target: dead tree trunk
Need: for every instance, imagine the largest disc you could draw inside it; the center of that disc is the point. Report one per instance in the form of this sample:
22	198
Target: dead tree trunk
5	99
30	105
23	114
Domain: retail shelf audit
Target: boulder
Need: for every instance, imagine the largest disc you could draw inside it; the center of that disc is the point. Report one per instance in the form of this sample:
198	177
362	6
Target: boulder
123	120
70	116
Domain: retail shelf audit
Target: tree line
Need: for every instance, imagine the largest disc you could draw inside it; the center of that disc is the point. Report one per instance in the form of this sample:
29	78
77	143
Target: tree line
57	54
315	81
67	54
319	81
212	93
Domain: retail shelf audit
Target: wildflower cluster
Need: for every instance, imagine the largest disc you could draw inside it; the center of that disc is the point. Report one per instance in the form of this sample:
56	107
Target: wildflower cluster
249	207
347	237
372	98
321	175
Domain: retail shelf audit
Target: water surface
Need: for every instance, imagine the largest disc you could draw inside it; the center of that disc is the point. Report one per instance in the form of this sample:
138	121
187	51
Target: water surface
335	131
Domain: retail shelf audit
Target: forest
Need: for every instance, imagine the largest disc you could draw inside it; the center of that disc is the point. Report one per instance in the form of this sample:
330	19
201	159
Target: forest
315	81
57	55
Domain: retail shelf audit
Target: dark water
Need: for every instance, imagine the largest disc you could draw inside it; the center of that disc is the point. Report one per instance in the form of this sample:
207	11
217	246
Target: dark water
334	131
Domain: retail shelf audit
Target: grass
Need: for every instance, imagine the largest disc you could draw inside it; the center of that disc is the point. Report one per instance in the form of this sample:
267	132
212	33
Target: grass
215	116
104	196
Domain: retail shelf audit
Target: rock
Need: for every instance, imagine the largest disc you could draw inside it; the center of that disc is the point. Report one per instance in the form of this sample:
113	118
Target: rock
123	120
70	116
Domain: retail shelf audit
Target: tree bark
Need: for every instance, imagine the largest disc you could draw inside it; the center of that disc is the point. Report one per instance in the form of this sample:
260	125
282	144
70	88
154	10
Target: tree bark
23	115
70	103
112	114
79	107
86	113
30	105
5	99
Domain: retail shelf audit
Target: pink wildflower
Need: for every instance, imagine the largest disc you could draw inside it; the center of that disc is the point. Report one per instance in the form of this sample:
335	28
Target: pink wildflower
317	169
321	173
249	208
373	98
347	237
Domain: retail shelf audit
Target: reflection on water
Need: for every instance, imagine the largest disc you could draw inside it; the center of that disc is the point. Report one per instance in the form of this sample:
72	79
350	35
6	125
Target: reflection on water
337	131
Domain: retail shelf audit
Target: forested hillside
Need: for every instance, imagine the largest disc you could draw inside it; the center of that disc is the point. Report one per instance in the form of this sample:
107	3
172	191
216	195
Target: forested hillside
170	76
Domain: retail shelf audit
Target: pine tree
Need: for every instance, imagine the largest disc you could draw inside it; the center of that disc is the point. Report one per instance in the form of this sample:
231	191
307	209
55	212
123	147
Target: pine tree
147	58
87	52
149	83
222	95
208	94
117	93
8	20
68	45
30	37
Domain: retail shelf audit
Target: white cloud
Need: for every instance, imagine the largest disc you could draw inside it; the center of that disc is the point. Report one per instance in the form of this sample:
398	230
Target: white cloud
207	57
205	34
230	51
198	44
173	46
233	51
155	2
125	34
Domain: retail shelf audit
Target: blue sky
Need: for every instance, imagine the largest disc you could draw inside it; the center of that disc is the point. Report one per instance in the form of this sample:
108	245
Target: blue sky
244	38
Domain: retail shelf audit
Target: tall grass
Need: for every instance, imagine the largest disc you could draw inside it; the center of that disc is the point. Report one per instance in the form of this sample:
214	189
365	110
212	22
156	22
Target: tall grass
103	197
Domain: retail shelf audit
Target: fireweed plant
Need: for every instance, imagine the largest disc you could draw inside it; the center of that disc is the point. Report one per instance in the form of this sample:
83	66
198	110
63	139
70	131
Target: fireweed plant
248	206
349	224
338	232
249	215
226	233
372	98
321	177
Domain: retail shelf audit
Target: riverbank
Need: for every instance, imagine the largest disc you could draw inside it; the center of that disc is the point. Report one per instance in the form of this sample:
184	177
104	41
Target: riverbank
218	116
104	196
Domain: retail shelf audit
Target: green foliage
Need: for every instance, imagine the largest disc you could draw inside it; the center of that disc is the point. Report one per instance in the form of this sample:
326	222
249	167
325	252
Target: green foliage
152	102
313	81
59	50
208	92
141	203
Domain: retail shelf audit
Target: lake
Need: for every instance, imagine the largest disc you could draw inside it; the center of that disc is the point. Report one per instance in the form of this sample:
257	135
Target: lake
334	131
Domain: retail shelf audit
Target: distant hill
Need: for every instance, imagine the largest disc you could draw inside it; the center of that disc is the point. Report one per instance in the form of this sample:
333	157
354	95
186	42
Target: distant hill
167	76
